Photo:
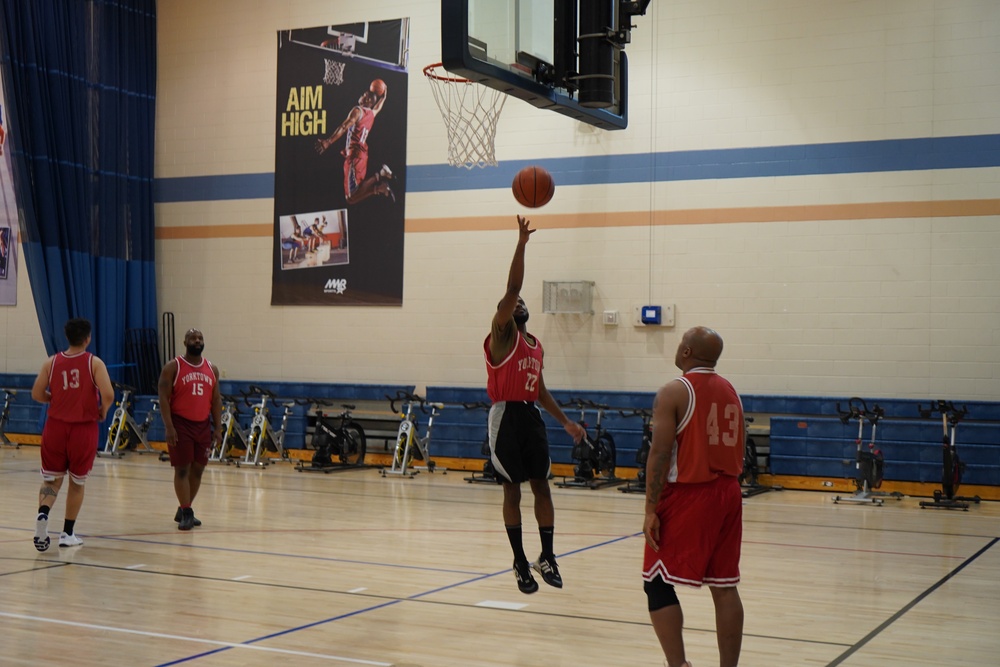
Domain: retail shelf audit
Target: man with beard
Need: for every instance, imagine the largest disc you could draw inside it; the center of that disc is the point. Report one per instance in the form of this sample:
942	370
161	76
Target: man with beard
519	448
189	395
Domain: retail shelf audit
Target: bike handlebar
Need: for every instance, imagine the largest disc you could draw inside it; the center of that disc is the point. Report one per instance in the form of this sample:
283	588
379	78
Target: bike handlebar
124	387
477	405
636	412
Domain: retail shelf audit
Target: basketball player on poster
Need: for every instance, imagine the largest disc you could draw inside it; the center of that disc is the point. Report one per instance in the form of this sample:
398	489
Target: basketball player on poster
356	127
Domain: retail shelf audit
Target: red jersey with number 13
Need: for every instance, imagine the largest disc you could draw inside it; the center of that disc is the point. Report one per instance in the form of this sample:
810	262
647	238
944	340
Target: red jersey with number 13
710	435
515	378
75	398
192	395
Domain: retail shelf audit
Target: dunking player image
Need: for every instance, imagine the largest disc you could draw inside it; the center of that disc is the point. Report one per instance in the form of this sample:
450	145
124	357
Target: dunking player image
356	128
78	390
519	448
189	395
694	506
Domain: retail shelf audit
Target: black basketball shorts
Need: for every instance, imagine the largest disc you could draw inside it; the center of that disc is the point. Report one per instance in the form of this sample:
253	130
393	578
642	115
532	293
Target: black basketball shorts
519	447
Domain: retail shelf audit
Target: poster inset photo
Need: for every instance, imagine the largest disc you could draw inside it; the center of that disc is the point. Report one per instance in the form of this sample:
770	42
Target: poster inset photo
314	240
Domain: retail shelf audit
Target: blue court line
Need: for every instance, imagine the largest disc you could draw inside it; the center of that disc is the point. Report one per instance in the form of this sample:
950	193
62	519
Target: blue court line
383	605
851	157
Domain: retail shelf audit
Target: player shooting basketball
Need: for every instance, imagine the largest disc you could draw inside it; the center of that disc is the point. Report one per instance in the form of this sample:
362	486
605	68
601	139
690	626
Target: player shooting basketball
356	127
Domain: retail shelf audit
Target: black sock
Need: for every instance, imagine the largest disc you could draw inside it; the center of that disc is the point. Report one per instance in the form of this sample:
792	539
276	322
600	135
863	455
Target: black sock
514	535
68	526
547	534
44	509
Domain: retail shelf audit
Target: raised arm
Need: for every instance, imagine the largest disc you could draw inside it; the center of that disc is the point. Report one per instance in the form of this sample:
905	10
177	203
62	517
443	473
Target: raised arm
380	102
352	118
502	331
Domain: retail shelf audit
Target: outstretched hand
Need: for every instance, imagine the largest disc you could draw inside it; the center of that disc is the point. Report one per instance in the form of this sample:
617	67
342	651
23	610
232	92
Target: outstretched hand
321	145
524	228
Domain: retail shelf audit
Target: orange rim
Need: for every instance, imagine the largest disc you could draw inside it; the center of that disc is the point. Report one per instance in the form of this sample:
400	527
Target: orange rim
429	73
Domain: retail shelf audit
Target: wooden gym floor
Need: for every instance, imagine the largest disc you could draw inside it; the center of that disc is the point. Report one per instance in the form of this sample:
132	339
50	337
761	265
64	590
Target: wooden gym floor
354	569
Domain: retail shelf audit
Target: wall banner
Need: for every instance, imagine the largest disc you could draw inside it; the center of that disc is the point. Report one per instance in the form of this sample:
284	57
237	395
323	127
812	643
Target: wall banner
340	165
8	219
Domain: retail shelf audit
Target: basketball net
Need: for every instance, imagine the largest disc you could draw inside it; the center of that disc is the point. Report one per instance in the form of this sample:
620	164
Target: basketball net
334	72
470	112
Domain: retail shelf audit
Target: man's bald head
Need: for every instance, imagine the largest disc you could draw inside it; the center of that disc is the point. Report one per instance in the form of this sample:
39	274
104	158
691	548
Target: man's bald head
700	346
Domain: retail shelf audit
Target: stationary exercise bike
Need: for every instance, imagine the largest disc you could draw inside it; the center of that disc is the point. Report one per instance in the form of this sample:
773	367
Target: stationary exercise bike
8	397
233	436
595	458
125	433
410	445
339	441
489	473
869	462
638	485
263	437
952	467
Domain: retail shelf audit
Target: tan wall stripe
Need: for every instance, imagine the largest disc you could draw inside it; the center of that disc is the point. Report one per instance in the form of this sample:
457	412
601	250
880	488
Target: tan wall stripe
875	211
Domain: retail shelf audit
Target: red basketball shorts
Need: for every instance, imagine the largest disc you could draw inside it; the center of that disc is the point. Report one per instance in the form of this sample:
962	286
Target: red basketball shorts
194	442
68	447
701	530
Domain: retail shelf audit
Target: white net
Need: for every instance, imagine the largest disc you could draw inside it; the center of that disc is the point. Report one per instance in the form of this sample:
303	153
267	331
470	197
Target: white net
334	74
470	112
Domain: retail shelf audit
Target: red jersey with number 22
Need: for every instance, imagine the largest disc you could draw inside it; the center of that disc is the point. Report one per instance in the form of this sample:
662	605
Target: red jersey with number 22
710	435
192	395
515	378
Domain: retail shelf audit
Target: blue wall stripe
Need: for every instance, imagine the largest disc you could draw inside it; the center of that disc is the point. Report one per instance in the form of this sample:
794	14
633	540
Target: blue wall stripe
806	160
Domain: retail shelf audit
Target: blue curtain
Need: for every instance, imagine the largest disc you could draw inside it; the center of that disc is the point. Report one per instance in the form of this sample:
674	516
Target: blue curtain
80	85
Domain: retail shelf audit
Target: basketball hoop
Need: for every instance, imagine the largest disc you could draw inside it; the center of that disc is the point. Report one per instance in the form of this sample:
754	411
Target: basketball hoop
470	112
333	72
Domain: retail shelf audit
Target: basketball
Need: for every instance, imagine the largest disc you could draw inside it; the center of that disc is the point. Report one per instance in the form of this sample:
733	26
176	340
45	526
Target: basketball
378	87
533	187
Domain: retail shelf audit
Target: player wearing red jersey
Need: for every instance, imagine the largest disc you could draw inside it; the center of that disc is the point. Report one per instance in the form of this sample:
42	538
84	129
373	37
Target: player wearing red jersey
518	445
189	396
694	507
356	128
78	390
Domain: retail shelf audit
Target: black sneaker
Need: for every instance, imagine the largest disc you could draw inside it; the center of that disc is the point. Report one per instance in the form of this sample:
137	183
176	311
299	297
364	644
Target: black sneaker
180	515
525	582
546	566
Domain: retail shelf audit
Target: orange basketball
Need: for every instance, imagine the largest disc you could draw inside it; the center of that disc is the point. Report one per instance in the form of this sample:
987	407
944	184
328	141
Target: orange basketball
533	187
378	87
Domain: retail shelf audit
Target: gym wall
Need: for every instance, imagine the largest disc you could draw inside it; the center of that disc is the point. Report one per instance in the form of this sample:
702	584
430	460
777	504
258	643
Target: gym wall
788	177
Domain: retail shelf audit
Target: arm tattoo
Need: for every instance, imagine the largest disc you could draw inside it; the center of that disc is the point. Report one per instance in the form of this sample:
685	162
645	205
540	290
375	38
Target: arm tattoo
656	477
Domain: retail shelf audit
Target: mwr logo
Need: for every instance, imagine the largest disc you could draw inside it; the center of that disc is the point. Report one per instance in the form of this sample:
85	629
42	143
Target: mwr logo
335	286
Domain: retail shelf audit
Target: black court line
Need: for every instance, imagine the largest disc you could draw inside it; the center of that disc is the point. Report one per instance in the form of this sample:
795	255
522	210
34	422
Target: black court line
899	614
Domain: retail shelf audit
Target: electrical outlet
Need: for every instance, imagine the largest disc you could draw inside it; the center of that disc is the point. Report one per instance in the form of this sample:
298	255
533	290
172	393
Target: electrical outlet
611	318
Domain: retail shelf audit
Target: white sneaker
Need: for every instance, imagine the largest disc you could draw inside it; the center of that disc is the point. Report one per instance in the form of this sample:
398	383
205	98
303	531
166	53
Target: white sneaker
42	540
385	173
69	540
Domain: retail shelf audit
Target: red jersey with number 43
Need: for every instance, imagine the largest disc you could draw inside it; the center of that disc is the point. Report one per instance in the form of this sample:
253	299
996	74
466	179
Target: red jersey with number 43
75	397
710	436
515	378
192	396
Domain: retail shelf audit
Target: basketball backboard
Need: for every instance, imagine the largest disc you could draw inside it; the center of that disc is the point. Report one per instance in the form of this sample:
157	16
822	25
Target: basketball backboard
564	55
381	43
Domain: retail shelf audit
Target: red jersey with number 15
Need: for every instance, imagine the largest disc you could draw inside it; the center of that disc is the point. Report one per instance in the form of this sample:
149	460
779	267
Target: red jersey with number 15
192	395
516	377
75	398
710	435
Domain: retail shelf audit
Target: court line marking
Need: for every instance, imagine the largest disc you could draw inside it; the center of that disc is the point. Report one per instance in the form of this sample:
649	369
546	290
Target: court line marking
500	604
913	603
161	635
